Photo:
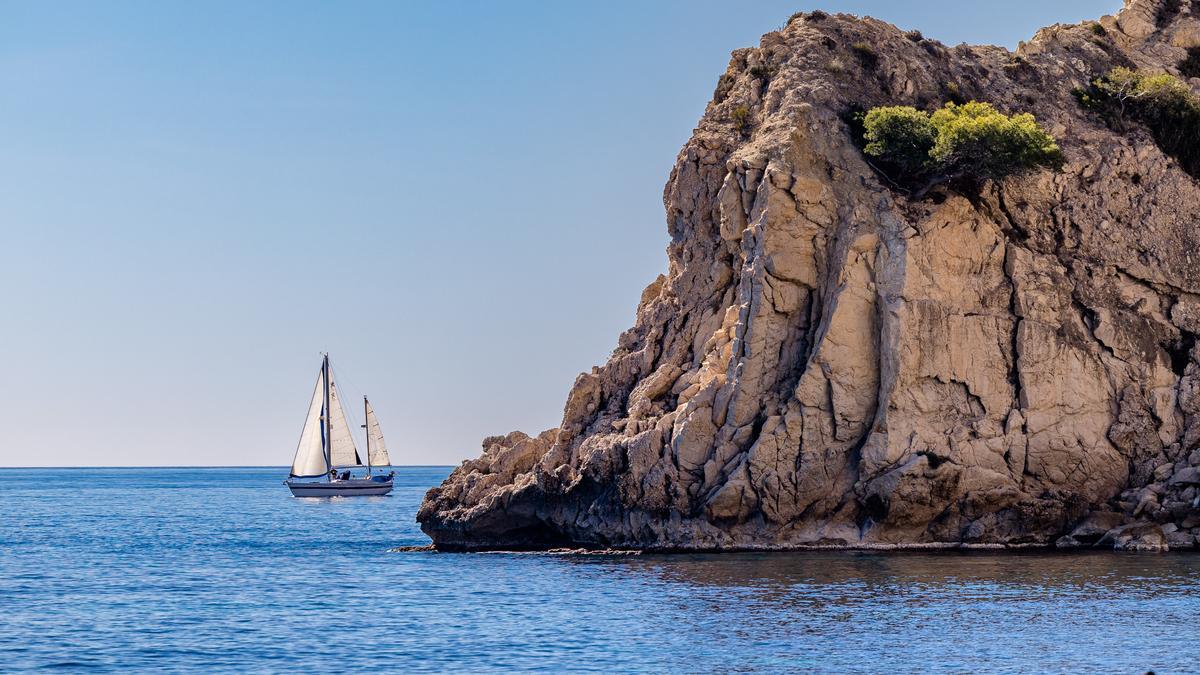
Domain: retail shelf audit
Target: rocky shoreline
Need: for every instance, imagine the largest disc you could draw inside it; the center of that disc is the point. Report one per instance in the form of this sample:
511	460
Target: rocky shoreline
831	363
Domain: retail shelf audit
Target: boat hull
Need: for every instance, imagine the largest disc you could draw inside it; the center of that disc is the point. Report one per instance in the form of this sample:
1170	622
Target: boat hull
340	488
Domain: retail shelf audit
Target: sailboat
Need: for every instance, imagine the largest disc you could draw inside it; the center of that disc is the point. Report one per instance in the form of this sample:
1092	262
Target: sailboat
327	453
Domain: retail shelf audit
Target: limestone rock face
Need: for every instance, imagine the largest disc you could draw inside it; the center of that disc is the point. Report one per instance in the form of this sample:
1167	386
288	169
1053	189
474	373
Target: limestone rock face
826	363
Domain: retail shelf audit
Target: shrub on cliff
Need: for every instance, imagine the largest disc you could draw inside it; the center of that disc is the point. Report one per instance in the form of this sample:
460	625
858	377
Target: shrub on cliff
900	137
740	118
976	139
958	144
1164	104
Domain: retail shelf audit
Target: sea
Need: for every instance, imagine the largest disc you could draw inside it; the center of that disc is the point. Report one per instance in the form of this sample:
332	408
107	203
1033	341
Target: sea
221	570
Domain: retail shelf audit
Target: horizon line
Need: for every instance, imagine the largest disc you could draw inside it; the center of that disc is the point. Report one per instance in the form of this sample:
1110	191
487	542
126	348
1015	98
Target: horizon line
213	466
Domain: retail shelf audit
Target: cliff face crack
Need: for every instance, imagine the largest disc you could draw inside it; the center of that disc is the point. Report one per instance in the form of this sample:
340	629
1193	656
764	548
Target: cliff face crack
1014	369
829	362
1019	232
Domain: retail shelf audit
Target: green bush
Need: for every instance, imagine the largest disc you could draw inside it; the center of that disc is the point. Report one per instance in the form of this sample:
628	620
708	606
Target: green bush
900	136
1163	104
961	145
740	117
958	144
977	138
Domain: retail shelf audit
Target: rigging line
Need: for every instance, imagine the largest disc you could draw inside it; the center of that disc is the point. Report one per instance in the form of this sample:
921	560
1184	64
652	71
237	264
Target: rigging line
346	386
354	389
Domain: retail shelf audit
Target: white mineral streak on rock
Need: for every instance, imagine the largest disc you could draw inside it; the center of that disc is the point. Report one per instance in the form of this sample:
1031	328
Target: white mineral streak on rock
827	364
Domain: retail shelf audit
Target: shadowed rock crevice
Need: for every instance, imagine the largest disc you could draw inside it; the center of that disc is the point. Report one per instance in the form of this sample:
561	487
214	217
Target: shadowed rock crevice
829	363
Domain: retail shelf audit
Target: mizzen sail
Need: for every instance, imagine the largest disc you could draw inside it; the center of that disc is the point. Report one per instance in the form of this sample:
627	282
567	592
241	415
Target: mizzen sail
379	453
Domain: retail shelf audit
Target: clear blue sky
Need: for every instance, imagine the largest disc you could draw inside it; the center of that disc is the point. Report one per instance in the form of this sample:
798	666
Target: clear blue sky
460	200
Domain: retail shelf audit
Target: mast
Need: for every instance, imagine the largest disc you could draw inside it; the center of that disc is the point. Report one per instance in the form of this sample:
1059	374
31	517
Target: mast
326	437
366	422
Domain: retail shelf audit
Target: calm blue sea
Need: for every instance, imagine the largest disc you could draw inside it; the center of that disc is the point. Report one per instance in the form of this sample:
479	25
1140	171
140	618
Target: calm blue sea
222	570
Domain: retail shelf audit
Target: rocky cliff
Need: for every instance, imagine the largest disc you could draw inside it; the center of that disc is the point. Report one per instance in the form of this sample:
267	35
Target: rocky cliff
829	363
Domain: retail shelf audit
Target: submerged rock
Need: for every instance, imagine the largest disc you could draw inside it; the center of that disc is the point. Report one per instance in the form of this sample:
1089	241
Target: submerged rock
827	363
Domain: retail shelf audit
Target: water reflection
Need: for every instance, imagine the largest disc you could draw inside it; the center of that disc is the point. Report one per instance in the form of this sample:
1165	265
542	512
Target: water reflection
942	611
884	571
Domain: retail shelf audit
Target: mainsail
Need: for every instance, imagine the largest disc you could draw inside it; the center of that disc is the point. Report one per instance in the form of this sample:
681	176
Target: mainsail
378	451
322	447
342	451
310	453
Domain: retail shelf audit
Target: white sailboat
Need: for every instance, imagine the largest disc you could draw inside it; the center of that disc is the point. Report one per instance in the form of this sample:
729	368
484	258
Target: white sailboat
327	454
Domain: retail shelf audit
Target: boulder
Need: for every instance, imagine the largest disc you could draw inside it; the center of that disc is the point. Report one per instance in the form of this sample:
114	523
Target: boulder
1187	476
1091	529
1135	537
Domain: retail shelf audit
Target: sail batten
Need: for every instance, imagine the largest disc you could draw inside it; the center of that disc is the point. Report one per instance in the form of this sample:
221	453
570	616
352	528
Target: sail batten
378	450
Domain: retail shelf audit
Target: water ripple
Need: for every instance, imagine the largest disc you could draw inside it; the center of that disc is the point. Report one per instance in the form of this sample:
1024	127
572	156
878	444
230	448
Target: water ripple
219	570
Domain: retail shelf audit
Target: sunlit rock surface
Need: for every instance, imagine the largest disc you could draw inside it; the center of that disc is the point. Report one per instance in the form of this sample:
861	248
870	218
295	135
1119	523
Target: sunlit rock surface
828	364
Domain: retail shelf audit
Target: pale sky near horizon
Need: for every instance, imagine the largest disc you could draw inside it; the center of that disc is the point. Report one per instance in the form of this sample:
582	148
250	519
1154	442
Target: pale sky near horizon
461	201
